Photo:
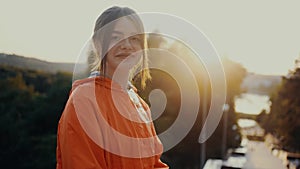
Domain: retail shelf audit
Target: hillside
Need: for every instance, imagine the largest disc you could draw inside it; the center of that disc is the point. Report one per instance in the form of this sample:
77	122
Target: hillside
253	83
34	64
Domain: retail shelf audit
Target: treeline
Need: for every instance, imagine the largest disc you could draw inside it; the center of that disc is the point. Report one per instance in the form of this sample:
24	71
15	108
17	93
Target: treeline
30	105
284	119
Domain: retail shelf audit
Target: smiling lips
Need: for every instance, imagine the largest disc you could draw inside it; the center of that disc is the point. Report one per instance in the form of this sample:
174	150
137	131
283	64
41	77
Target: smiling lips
123	55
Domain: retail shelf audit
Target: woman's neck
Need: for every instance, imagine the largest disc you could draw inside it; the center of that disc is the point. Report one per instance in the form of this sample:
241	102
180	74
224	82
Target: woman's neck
120	77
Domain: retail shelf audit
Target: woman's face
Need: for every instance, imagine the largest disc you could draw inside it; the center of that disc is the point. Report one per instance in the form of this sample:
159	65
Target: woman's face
125	41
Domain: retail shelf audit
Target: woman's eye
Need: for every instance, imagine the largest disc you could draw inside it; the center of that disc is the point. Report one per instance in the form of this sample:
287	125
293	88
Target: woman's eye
135	39
115	38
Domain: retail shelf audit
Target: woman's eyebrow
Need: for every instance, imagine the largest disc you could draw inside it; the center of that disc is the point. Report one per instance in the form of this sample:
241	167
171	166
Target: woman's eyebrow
117	32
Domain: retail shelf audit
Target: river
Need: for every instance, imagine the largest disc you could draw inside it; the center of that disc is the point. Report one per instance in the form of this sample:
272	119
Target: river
253	104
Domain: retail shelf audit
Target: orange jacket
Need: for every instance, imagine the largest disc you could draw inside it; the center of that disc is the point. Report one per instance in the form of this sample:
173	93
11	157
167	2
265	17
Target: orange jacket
100	129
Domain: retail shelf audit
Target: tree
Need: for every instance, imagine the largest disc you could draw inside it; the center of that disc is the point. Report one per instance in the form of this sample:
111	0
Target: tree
29	115
284	118
186	154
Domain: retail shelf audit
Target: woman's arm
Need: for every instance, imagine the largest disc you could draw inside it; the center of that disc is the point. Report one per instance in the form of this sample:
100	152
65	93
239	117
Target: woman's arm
74	148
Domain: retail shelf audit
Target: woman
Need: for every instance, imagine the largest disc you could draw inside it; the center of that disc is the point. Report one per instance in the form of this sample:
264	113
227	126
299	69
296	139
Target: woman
105	124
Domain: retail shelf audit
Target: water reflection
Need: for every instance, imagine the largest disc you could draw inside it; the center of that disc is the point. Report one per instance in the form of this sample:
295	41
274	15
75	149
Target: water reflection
245	123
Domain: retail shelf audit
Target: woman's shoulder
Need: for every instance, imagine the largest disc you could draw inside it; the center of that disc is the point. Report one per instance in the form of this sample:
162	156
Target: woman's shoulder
91	87
89	82
82	83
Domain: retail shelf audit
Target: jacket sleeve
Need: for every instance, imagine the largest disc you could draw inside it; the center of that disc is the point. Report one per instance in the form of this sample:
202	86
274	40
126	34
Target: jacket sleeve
160	165
74	148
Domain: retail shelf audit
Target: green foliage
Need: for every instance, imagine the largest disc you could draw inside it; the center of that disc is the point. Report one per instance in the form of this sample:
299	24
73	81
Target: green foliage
186	154
284	118
234	74
30	105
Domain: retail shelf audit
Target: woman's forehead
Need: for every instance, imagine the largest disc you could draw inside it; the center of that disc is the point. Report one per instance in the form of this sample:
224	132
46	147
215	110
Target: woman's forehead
126	26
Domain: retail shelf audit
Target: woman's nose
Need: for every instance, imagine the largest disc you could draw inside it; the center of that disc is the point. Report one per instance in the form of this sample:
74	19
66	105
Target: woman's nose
126	44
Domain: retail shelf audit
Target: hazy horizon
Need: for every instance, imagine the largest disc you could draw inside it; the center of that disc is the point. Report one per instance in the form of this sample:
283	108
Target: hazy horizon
263	36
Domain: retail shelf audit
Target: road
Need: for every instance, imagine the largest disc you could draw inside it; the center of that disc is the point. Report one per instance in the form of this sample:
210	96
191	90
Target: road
260	157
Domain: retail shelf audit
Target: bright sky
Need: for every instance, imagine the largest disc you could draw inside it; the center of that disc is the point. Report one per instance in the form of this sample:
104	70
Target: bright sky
252	104
262	35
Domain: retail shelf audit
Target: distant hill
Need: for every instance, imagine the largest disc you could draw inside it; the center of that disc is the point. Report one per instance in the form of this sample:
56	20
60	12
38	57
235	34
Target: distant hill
34	64
260	84
253	83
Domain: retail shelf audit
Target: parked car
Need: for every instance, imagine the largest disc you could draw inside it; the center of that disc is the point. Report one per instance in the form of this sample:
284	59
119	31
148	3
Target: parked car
236	159
293	160
213	164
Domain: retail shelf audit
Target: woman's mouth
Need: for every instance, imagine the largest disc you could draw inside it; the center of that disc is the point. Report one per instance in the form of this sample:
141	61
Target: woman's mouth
123	55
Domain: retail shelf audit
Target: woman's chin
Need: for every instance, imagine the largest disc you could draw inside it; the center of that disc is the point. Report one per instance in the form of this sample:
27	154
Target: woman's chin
127	64
129	61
